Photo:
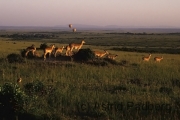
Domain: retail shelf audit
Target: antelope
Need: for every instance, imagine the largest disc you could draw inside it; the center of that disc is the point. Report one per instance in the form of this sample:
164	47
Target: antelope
158	59
146	58
112	56
76	45
68	50
48	50
100	54
19	80
58	50
32	48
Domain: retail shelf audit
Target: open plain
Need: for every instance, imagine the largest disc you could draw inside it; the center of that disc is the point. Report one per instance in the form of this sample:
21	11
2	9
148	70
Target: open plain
123	88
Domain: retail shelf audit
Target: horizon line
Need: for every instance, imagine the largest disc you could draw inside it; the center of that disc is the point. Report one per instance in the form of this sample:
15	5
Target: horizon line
96	26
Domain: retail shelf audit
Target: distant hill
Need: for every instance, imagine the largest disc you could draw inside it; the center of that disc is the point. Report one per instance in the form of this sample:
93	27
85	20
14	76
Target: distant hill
84	27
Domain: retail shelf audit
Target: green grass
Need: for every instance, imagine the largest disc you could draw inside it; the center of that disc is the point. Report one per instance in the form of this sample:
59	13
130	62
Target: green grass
83	91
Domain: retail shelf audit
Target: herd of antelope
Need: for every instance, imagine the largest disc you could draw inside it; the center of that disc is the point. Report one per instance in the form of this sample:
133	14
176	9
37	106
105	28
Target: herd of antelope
69	51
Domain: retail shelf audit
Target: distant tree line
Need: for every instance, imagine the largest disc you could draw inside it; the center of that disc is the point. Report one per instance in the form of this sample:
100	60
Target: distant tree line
148	50
144	33
29	36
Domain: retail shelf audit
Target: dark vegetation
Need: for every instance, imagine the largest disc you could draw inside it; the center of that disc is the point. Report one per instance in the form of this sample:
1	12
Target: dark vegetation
84	55
19	101
15	100
43	46
15	58
28	36
149	50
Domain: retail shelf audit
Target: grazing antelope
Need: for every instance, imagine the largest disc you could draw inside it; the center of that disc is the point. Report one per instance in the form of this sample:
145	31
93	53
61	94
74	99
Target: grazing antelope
112	56
100	54
48	50
32	48
60	50
158	59
146	58
76	45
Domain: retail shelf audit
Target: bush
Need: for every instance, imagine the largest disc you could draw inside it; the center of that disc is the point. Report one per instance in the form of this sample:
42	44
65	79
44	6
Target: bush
84	55
36	87
12	100
23	53
43	46
15	58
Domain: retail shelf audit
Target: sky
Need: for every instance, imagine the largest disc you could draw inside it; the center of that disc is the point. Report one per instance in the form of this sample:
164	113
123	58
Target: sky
137	13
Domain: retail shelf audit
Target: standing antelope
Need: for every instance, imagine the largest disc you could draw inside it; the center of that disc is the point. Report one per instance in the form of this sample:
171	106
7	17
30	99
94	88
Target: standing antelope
76	45
146	58
58	50
100	54
32	48
158	59
48	50
112	56
68	50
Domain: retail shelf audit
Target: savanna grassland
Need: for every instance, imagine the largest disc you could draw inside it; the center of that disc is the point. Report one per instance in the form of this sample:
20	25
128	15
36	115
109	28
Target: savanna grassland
126	88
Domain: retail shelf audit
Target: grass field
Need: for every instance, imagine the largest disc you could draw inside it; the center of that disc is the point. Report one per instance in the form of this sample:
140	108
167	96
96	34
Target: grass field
68	90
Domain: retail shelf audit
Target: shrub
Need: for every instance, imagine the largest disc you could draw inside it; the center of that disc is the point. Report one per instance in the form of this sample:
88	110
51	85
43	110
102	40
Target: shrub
15	58
84	55
29	88
43	46
39	86
12	100
36	87
23	53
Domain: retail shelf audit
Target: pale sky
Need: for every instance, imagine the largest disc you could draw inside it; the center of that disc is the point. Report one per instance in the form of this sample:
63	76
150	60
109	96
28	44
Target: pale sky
90	12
